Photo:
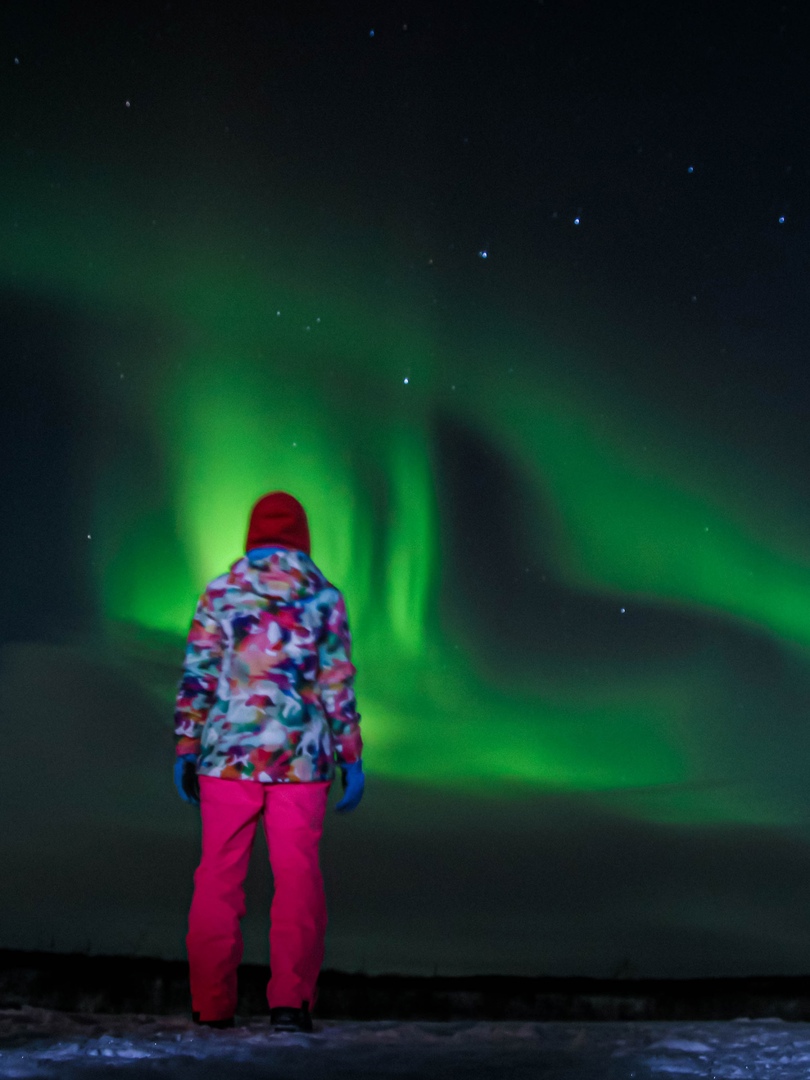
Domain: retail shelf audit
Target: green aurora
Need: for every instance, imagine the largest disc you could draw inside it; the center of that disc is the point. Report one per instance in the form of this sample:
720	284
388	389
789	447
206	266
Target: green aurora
276	365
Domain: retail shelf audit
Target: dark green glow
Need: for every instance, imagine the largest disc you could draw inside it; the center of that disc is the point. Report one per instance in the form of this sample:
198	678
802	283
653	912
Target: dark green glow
242	400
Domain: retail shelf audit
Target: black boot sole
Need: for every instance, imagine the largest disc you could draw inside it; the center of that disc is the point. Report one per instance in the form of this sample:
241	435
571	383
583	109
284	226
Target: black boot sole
219	1025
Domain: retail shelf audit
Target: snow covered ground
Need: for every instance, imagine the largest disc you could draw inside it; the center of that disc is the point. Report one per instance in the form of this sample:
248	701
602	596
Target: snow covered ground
41	1043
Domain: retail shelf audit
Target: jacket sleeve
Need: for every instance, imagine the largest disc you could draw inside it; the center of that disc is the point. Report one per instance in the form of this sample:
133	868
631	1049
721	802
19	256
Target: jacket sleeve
197	691
336	684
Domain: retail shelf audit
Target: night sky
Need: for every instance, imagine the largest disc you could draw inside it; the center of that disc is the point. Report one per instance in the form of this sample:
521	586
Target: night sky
514	298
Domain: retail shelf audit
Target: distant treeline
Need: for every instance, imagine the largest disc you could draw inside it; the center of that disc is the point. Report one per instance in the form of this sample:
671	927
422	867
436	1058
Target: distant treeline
121	984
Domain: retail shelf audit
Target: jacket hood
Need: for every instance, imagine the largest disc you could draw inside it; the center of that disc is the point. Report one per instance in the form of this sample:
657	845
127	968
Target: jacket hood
282	574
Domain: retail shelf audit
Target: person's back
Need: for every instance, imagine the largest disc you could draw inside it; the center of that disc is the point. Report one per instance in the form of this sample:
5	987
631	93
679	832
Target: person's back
267	692
265	709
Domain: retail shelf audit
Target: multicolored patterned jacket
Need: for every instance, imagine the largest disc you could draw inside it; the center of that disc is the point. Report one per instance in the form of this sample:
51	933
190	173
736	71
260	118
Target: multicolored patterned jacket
267	689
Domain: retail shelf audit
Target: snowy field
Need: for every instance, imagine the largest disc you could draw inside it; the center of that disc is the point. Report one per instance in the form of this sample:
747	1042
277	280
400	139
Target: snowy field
40	1043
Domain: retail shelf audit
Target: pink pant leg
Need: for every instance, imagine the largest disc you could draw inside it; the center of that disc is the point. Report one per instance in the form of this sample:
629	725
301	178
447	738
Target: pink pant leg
230	810
293	824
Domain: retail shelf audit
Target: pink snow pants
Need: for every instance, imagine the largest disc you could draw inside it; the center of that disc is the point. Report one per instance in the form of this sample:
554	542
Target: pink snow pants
292	816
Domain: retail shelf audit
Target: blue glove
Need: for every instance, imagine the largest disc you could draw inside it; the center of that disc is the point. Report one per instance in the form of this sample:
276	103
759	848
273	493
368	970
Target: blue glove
186	780
353	784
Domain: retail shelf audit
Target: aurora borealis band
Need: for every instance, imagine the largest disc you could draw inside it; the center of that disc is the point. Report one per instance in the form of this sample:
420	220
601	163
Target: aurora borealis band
257	385
568	508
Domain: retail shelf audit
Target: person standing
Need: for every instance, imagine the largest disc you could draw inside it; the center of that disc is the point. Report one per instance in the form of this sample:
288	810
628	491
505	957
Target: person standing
265	714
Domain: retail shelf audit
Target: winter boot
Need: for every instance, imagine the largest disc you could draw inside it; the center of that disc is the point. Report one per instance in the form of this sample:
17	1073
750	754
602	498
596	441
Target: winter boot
288	1019
227	1023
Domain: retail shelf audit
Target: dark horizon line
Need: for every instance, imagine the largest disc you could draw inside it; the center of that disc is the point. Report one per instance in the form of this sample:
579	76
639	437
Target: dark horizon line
10	957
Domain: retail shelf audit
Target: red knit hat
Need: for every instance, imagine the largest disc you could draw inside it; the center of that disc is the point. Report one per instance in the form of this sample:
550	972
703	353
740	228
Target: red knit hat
278	520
